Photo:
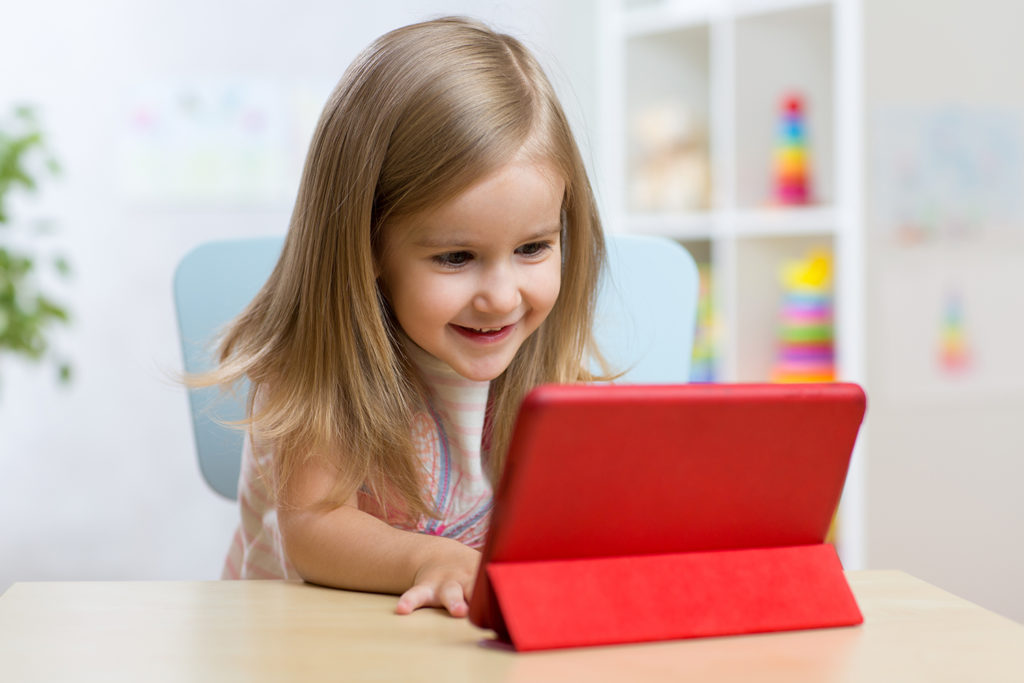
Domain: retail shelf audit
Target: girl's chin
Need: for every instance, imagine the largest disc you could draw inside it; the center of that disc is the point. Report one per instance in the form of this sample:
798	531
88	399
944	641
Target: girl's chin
481	375
482	371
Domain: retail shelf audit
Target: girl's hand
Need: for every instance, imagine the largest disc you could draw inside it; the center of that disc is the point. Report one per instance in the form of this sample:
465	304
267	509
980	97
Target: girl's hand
444	579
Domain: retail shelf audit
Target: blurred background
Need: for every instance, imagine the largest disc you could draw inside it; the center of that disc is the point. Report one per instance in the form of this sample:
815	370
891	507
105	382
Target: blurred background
848	174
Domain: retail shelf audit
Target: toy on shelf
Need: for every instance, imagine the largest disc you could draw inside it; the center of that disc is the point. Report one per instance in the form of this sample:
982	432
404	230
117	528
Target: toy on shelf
954	356
792	173
669	161
805	352
702	365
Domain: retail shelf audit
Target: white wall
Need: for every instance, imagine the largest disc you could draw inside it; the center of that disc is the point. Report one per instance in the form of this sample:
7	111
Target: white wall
99	480
946	449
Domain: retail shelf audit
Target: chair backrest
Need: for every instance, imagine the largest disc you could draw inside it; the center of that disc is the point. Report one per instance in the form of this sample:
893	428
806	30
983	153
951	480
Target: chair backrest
645	325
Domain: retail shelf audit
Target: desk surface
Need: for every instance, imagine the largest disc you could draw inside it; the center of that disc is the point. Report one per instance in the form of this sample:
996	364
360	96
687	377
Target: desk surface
269	630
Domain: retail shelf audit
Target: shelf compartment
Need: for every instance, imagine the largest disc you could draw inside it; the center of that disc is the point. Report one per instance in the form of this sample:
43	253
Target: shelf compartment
667	105
777	55
759	297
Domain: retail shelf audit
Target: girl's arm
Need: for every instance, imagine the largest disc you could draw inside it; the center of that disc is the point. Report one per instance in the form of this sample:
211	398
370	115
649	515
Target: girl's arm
348	548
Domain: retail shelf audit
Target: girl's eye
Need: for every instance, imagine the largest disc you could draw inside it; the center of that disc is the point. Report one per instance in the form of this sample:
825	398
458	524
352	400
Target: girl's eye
534	248
453	259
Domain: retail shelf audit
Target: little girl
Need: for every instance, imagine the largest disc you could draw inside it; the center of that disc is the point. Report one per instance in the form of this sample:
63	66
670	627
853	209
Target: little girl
441	261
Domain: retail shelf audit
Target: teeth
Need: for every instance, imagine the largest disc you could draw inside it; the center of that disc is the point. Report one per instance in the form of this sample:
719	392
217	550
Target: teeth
486	329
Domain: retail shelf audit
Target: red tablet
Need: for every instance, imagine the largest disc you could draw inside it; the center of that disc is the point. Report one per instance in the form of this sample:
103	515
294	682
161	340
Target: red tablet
599	471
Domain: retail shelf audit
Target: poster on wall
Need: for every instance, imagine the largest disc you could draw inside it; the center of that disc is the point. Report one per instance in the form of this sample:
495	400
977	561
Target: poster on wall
216	142
945	173
947	228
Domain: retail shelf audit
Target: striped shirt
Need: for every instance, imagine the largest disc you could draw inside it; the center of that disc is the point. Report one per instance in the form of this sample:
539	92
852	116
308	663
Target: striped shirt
447	438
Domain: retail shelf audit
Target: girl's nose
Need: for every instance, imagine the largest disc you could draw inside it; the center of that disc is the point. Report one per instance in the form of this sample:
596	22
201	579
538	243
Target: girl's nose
499	292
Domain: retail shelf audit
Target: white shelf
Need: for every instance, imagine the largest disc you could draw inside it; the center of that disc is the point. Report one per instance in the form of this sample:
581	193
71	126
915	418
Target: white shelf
666	17
742	8
695	225
769	222
662	17
726	65
782	222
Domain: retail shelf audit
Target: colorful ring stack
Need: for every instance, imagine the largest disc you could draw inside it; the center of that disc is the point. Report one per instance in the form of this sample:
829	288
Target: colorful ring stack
806	349
954	355
792	184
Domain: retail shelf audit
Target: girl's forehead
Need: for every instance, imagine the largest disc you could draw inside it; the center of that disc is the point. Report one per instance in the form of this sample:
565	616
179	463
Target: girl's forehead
519	200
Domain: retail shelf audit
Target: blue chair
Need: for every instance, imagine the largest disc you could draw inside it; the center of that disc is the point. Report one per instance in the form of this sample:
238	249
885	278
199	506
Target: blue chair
644	325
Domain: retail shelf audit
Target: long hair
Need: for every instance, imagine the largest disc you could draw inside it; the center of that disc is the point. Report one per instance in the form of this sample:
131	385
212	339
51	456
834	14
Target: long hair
419	116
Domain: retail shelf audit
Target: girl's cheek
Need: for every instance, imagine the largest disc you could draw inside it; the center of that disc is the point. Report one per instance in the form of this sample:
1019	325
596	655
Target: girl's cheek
555	282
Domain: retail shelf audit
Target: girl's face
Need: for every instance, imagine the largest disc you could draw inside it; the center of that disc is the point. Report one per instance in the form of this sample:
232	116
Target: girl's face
471	279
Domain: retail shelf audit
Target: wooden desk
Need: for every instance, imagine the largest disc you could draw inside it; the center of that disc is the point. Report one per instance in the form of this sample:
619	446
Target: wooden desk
279	631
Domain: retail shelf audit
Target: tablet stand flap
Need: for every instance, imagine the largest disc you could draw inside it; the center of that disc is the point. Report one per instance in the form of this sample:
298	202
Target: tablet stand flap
601	601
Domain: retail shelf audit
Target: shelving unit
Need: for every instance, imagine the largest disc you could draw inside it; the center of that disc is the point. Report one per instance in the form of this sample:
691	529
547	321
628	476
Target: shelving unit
690	108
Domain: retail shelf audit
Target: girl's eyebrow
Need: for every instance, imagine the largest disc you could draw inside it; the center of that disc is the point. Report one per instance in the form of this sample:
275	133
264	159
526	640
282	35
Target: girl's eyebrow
430	241
555	229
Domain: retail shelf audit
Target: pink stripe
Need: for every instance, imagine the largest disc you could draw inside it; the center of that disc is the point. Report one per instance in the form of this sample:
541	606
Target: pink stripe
250	513
263	548
465	406
258	495
463	517
230	566
474	537
259	556
468	431
231	569
807	317
455	487
255	571
448	381
483	498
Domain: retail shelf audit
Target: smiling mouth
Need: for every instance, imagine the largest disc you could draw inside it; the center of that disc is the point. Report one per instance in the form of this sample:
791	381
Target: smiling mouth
484	333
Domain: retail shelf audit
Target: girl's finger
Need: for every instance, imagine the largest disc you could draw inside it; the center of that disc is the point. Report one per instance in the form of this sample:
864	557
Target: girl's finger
453	599
414	598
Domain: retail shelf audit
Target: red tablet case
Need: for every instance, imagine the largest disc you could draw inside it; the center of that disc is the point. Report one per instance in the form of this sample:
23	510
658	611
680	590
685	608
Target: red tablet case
633	513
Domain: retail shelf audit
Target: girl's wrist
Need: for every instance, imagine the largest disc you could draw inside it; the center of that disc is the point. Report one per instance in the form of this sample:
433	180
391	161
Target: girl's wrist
438	551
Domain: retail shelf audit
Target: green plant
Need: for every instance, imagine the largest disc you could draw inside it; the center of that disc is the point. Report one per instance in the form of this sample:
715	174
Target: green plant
27	314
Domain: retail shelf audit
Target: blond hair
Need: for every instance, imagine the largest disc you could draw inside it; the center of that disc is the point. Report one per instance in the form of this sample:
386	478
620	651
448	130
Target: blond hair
419	116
